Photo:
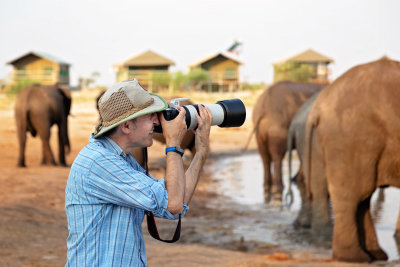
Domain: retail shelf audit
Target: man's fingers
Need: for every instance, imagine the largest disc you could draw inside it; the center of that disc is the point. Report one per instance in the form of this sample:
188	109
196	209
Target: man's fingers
160	117
209	115
182	112
205	112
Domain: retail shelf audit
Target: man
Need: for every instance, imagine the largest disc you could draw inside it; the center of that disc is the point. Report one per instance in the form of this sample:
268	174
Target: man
108	193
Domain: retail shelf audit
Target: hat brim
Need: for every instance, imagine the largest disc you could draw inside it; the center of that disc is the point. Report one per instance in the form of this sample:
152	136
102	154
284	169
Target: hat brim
158	105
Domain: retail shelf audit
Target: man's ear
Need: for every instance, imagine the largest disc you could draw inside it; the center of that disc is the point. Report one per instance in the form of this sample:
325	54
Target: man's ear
128	126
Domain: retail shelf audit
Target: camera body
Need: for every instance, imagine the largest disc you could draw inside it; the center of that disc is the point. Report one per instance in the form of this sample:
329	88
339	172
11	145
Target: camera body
226	113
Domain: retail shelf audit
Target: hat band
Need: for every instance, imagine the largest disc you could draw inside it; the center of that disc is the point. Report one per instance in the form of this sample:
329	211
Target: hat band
127	114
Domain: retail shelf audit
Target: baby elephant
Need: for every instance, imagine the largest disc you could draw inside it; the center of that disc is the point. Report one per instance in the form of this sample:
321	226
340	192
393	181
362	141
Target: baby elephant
37	108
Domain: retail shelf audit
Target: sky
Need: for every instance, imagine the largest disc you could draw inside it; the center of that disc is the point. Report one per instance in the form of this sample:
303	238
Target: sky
95	35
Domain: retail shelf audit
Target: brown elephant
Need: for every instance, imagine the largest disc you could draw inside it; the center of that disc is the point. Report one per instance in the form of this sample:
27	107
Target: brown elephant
355	123
315	213
37	108
188	141
272	115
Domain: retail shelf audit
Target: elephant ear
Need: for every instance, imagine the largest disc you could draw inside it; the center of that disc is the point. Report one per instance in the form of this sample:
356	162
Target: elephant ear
66	93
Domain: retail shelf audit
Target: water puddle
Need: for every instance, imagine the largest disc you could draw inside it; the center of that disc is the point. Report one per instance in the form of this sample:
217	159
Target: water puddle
240	179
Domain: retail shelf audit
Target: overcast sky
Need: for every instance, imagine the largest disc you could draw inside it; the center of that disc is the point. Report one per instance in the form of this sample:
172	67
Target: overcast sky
94	35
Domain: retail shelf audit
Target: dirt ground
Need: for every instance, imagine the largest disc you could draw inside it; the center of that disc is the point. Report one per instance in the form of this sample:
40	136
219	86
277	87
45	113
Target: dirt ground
33	227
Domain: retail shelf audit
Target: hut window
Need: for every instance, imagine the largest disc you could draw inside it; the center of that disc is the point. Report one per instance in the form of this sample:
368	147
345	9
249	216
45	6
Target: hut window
48	71
63	72
21	72
230	73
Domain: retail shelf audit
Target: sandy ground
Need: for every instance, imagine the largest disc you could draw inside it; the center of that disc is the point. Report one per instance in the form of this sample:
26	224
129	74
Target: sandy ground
33	228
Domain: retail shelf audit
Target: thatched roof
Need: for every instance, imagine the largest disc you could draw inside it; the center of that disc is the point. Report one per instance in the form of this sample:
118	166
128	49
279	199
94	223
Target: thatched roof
223	54
148	58
308	56
39	55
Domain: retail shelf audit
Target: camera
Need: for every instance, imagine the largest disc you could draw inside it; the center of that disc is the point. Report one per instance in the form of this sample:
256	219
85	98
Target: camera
226	113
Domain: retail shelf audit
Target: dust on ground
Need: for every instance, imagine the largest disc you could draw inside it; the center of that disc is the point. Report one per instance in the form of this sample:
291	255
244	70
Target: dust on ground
33	225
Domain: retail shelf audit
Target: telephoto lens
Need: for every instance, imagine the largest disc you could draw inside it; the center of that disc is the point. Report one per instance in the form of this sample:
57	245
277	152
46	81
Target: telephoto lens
226	113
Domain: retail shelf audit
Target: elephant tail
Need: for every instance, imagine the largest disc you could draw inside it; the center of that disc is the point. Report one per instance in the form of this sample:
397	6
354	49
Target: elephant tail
290	142
255	129
312	123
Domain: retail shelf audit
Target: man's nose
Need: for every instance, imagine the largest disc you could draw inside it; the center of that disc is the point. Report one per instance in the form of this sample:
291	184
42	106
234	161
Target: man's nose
156	121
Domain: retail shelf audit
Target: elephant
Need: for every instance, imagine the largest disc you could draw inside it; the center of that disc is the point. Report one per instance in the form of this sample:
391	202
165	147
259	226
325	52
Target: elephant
37	108
354	125
188	141
315	213
272	114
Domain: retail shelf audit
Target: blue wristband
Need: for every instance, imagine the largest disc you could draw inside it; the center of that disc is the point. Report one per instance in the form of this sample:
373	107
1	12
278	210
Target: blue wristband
174	149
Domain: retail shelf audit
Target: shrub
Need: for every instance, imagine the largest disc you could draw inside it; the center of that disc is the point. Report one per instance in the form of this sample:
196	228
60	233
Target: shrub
295	72
16	87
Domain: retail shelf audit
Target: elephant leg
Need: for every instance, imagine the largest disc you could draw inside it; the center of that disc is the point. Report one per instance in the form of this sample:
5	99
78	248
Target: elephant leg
61	146
345	243
321	219
367	232
48	158
266	159
277	151
277	184
345	191
21	131
304	216
40	120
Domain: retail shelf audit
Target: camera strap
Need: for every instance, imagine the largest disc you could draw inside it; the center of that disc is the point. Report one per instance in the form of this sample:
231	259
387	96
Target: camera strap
151	222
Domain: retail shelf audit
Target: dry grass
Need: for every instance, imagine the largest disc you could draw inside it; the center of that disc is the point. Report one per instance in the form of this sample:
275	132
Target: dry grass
6	101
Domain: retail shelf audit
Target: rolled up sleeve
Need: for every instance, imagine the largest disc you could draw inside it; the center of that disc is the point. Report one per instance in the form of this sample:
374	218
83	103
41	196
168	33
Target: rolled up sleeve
161	195
113	180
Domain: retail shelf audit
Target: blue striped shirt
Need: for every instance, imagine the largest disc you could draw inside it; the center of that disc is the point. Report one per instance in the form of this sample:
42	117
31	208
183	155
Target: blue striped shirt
106	197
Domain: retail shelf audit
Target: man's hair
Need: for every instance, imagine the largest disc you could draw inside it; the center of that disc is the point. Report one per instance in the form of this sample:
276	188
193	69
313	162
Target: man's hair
110	132
113	130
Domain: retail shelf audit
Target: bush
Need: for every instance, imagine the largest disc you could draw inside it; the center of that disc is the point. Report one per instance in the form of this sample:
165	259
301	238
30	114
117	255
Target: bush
253	86
160	80
179	81
16	87
197	76
295	72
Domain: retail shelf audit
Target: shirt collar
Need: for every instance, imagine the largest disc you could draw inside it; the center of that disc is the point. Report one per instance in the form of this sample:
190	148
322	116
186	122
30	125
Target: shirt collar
109	144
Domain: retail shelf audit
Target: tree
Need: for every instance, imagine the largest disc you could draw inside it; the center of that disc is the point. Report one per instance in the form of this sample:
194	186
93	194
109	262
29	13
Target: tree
87	82
179	79
295	72
197	76
18	86
160	79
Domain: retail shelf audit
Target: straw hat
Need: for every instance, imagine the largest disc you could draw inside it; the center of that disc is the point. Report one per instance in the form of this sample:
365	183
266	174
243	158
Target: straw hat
125	101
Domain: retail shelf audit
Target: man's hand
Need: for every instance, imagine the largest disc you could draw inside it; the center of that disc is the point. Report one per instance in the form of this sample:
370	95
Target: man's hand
202	132
174	130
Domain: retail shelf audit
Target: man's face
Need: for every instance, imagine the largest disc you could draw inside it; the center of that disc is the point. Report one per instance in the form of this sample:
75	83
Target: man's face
143	126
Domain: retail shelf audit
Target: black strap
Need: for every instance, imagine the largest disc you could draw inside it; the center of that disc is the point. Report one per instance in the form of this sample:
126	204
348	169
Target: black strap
152	228
151	222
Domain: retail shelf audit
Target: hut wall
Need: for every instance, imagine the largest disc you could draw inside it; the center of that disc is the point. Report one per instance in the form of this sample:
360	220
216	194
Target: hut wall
40	70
